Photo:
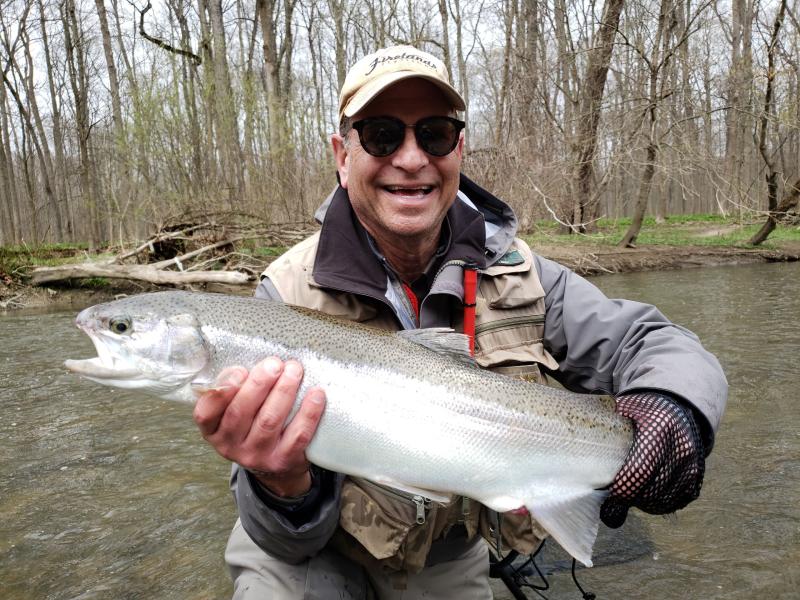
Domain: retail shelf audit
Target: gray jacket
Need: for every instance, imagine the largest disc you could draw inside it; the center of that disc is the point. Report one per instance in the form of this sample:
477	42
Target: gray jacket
601	345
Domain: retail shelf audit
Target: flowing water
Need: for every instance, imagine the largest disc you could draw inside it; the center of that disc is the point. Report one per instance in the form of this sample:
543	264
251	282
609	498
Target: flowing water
108	494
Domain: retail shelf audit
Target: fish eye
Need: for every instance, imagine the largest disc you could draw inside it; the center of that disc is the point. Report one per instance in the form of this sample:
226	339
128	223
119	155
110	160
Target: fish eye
120	324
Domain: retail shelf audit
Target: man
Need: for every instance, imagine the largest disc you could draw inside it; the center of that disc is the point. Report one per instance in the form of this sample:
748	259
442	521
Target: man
398	234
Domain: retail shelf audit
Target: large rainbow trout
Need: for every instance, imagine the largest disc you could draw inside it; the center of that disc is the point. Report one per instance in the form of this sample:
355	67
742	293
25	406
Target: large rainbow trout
406	409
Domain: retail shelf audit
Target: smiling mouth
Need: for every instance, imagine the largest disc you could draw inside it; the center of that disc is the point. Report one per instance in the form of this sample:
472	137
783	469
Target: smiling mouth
409	191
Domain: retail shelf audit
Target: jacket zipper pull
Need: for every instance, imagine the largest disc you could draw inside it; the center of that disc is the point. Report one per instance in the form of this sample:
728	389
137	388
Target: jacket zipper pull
422	504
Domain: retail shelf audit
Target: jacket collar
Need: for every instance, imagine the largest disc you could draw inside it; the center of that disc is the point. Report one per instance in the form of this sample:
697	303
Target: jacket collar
480	229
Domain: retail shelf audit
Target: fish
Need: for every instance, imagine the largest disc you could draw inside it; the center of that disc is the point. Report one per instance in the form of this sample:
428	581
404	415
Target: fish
407	409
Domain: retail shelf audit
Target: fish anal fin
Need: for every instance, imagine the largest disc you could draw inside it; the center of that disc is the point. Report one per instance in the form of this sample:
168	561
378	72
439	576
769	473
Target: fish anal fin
503	504
572	519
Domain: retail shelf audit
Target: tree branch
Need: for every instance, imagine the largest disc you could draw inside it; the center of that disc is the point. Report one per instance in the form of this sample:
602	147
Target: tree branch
161	43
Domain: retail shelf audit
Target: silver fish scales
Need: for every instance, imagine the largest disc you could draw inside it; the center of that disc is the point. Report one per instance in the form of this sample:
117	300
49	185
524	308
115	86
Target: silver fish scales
406	409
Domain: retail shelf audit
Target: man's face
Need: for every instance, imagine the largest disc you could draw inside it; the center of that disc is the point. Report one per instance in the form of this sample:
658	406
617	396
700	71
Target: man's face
409	192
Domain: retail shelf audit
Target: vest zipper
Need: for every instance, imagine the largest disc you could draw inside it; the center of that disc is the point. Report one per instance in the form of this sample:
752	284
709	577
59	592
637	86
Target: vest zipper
449	263
509	322
421	503
422	507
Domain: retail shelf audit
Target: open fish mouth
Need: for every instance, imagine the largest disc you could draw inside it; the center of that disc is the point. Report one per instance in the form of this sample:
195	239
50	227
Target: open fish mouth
104	365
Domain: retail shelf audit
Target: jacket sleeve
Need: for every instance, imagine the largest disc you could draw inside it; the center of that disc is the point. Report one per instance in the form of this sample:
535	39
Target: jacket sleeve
617	346
275	531
273	525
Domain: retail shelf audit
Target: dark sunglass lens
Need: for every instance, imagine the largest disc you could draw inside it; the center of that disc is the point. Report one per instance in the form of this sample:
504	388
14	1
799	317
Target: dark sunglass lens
381	137
437	136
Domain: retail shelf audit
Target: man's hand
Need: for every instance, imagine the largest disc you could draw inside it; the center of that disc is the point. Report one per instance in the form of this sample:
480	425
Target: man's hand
244	421
664	469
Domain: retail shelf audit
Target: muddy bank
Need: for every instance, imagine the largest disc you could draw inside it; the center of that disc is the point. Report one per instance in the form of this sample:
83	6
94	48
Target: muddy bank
585	259
594	260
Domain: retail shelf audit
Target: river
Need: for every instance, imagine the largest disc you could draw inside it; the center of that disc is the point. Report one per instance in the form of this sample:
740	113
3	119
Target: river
108	494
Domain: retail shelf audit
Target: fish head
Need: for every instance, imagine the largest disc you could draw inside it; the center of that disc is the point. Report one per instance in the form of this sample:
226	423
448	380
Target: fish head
139	349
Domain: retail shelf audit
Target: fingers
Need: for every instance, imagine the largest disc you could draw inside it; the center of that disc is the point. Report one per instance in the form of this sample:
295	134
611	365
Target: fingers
613	513
267	422
211	405
253	394
301	429
245	419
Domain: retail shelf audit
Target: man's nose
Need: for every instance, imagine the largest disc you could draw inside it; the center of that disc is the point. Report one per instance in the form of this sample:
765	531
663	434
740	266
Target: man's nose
409	156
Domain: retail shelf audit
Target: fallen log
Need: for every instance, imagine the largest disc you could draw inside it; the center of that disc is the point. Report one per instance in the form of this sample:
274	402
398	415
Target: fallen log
148	273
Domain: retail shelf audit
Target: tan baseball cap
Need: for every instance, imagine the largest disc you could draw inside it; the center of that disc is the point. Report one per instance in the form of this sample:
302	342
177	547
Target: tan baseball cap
377	71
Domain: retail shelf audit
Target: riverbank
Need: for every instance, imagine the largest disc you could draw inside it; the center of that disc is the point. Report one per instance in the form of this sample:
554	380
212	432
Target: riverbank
586	258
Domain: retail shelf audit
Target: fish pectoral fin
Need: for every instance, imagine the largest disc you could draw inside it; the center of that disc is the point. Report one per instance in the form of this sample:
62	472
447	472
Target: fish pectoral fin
439	497
572	519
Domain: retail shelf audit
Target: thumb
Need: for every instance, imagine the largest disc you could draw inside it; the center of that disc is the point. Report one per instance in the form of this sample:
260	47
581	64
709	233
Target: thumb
613	513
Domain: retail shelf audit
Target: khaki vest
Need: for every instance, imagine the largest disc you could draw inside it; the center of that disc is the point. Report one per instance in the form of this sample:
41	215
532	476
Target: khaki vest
394	530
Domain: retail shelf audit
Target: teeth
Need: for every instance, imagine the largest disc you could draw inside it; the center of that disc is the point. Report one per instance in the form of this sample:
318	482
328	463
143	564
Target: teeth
409	190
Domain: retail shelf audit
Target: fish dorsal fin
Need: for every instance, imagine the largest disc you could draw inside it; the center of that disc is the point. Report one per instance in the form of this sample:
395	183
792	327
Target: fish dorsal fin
442	340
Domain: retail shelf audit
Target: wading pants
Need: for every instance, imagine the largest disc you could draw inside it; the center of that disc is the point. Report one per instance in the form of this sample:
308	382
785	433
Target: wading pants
329	575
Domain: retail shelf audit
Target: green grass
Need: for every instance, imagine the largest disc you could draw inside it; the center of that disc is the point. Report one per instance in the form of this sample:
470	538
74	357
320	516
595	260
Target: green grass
95	282
679	230
269	251
16	261
252	247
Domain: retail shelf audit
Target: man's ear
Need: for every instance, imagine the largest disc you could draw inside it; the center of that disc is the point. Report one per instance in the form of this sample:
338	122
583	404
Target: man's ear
460	145
342	158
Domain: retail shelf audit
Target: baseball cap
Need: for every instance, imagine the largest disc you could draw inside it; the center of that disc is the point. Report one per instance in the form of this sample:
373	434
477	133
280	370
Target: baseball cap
377	71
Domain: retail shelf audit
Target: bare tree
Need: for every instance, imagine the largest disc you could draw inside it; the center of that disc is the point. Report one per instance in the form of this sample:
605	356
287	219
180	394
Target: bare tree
775	212
590	105
668	39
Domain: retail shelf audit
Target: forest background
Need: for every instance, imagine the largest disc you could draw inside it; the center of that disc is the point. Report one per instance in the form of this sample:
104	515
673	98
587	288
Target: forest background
118	116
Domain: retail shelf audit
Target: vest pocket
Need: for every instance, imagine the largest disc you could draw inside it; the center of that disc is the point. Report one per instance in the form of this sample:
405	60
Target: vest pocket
378	517
512	341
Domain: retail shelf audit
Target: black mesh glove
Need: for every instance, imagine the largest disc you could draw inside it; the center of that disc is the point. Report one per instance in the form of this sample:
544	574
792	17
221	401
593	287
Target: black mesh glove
664	469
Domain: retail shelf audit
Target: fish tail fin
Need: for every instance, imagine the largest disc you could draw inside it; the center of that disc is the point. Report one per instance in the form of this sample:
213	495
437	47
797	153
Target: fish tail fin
571	519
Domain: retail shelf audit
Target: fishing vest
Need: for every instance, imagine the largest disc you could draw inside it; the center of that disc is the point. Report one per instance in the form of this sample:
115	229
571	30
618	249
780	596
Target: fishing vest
383	528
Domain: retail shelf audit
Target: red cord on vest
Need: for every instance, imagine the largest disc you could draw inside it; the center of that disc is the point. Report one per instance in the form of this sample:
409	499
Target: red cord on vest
470	293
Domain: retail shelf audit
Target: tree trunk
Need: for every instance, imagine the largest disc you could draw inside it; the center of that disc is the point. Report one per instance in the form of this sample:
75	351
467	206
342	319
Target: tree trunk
337	10
790	198
503	103
645	185
443	15
225	105
8	190
59	171
78	82
120	173
599	58
463	81
657	63
111	67
739	125
265	10
39	139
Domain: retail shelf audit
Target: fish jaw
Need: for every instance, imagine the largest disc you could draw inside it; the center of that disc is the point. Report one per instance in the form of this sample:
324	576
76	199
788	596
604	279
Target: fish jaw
161	356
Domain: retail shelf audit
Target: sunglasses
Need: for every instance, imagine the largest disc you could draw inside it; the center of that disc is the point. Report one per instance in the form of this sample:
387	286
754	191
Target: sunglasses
380	136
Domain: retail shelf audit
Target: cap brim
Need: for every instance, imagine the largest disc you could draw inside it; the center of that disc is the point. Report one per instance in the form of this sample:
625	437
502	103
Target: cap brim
369	91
